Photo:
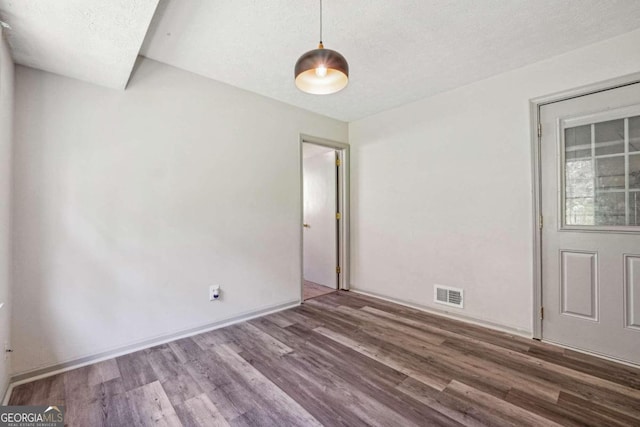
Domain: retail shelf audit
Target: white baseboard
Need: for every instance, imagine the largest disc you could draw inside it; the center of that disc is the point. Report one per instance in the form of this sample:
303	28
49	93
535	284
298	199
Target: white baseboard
58	368
448	314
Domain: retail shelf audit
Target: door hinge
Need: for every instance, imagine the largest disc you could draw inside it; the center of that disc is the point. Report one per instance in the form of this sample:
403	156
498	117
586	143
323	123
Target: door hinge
337	162
539	129
338	216
338	270
541	222
541	313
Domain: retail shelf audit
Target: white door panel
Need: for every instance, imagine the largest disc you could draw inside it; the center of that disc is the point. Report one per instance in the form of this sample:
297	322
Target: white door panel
320	207
632	290
590	203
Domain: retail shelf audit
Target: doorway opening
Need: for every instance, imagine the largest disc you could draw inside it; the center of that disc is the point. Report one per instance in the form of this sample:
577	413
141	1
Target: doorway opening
325	216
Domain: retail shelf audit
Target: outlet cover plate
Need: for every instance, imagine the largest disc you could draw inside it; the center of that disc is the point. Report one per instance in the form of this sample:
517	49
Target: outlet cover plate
212	290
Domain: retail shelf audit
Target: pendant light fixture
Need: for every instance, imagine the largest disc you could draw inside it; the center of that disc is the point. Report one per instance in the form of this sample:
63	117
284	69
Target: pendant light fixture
321	71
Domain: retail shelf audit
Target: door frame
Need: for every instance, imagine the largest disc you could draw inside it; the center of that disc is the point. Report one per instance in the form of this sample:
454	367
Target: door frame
536	226
344	247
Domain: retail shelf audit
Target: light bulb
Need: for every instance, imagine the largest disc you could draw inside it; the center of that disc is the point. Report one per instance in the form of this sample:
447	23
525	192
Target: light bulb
321	71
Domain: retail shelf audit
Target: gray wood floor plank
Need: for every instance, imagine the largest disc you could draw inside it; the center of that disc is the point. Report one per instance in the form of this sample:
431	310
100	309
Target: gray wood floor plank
186	349
51	392
279	320
256	337
462	328
346	360
21	394
200	411
361	374
255	417
375	353
295	317
210	339
618	414
150	406
567	415
180	388
135	370
324	403
231	397
463	411
164	362
176	381
504	410
426	345
331	355
100	404
281	404
103	371
313	290
373	402
603	369
116	411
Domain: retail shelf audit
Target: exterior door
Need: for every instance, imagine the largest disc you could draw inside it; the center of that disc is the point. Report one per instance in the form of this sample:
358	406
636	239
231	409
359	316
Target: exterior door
590	204
320	244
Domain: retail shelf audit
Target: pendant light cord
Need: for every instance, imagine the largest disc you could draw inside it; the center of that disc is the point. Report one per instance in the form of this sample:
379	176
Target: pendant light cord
320	21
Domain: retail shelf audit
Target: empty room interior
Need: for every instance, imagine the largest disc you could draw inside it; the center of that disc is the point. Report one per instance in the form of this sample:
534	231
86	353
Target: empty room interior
320	212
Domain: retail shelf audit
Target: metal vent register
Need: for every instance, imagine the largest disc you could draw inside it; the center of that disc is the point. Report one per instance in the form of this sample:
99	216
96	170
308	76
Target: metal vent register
448	296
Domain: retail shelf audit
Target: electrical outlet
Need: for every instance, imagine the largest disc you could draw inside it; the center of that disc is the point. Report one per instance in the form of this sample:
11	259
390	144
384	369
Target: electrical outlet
214	292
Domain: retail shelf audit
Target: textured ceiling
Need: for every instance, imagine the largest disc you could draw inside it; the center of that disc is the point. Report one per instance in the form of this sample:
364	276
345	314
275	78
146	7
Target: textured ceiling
92	40
398	50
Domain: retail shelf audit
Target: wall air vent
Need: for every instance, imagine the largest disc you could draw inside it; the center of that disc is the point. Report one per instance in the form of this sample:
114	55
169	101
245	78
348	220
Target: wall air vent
448	296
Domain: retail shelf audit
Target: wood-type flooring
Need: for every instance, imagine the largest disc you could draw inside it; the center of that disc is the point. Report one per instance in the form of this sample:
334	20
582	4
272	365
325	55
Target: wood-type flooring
344	359
312	290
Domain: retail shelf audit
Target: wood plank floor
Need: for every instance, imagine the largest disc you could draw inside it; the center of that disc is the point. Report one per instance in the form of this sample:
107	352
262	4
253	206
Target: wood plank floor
346	360
312	290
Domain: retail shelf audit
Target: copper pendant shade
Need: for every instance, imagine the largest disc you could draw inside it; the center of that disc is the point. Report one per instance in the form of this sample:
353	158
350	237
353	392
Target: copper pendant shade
321	71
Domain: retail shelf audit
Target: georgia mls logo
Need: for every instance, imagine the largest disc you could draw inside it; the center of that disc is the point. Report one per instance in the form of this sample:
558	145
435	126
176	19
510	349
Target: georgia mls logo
53	408
31	416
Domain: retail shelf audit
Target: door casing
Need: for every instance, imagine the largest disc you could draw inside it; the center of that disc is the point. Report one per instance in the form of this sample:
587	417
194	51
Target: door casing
343	206
534	111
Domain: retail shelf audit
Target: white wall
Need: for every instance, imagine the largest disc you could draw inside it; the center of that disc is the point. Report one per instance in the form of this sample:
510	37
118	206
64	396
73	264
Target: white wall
6	137
441	188
128	205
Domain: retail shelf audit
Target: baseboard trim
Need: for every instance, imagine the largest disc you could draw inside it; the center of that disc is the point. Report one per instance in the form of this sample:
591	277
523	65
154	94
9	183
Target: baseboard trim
448	314
58	368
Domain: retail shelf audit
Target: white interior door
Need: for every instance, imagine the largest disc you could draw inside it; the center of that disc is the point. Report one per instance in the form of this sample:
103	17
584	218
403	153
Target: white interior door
320	225
590	187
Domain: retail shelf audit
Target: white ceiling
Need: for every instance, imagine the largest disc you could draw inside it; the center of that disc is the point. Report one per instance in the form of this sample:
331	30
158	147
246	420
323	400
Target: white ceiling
92	40
398	50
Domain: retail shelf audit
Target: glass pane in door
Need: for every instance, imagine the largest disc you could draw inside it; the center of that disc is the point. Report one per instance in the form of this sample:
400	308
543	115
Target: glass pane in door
610	173
634	208
602	173
609	209
609	137
577	142
634	134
